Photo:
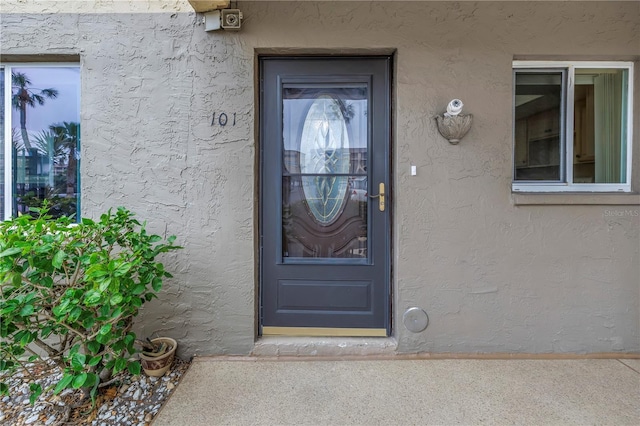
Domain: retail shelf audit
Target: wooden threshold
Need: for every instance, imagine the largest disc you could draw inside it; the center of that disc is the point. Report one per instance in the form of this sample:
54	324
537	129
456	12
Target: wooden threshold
325	332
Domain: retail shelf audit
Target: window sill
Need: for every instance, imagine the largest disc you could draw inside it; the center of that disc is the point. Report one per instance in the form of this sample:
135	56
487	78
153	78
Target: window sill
575	198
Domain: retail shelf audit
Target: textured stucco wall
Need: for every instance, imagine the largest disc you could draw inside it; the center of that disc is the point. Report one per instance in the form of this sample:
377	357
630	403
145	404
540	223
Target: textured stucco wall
492	275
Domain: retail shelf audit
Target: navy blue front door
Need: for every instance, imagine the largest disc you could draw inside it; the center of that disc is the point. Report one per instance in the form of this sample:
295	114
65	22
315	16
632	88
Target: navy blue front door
324	179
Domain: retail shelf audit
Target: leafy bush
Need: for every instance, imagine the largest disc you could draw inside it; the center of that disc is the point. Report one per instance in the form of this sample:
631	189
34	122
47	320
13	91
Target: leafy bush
72	290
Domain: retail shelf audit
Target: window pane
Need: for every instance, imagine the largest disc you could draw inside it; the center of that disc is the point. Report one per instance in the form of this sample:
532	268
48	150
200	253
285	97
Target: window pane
538	101
46	138
600	126
2	113
305	231
324	194
325	129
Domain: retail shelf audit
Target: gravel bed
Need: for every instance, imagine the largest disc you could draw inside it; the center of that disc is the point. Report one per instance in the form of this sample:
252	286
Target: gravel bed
129	400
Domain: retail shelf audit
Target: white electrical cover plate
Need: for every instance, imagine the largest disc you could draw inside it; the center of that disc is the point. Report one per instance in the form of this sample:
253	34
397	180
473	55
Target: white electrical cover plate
415	319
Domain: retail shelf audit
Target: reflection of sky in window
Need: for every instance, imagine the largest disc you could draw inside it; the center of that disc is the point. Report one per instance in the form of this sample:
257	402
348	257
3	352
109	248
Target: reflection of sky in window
294	116
66	107
298	98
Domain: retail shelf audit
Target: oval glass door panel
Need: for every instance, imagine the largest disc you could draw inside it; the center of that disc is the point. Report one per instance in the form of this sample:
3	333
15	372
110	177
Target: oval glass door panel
324	151
325	202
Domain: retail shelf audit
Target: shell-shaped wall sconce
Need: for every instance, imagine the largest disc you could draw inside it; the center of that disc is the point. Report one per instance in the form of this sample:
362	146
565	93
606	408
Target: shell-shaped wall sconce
455	127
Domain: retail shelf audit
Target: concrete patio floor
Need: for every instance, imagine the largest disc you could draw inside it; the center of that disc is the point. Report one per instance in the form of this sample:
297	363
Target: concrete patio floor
317	391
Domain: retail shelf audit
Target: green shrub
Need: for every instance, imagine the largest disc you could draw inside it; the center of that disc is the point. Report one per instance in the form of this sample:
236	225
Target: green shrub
72	290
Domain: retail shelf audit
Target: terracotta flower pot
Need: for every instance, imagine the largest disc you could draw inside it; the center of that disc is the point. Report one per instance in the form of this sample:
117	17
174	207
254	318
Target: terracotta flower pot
156	366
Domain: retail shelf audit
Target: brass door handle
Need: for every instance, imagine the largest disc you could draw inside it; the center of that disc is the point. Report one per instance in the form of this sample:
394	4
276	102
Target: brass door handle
381	196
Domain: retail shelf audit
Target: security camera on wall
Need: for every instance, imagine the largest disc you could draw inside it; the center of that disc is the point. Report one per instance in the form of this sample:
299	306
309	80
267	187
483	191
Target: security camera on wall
231	19
226	19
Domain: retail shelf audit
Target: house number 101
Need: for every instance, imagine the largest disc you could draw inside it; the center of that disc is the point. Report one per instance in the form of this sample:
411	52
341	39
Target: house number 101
223	119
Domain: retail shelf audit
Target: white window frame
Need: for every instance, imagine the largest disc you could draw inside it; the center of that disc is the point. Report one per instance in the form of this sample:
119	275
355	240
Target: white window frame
8	152
8	118
566	167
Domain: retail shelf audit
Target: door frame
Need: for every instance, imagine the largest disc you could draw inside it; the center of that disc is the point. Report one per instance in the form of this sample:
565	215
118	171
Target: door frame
261	54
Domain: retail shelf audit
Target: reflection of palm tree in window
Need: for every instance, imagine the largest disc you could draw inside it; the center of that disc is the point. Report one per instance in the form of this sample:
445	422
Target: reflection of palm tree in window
67	136
346	109
23	96
60	145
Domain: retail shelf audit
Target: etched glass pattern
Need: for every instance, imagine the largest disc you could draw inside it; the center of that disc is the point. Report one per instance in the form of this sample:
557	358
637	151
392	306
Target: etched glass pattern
325	202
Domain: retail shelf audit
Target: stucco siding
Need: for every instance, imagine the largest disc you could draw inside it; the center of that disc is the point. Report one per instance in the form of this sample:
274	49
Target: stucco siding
493	275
